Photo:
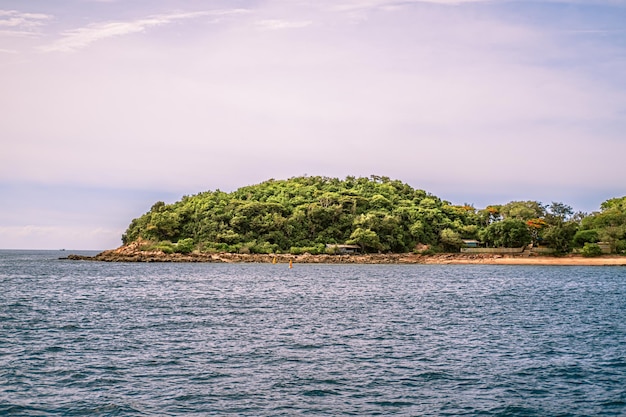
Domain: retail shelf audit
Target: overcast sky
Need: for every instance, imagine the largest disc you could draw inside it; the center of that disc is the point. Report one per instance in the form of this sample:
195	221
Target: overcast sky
108	106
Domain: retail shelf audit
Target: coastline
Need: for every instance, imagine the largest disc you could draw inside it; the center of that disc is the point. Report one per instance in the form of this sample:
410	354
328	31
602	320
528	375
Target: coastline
131	253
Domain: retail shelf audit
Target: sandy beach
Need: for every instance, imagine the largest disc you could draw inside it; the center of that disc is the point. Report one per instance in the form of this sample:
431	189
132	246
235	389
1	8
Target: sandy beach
539	260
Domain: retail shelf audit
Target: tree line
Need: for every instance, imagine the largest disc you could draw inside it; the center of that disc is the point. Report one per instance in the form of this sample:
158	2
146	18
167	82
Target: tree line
305	214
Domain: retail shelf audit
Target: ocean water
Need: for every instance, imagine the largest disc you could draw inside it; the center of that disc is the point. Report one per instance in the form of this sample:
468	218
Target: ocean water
86	338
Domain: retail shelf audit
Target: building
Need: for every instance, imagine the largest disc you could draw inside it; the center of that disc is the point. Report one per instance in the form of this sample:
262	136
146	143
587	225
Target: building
471	243
343	249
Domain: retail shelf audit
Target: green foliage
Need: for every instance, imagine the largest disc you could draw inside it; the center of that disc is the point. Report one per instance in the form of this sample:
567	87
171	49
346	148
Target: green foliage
264	247
585	236
214	247
610	223
313	250
303	214
508	233
558	213
618	204
184	246
367	239
164	246
451	240
591	249
559	237
332	250
560	228
522	210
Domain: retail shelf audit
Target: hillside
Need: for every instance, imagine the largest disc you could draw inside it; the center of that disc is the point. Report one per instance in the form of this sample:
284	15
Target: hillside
305	214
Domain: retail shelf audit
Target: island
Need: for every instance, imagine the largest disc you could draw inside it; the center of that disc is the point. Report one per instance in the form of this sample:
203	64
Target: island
367	220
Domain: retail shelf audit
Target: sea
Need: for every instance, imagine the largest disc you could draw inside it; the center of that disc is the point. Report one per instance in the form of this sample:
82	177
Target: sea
80	338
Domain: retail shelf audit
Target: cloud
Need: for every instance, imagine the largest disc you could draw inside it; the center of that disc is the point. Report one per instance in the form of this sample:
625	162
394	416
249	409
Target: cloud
76	39
357	5
13	18
274	24
17	24
438	97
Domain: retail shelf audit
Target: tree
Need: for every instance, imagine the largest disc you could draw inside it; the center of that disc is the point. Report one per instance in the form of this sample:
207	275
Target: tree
560	230
559	211
379	213
523	210
609	223
508	233
450	239
489	214
559	237
535	226
591	249
163	225
585	236
367	239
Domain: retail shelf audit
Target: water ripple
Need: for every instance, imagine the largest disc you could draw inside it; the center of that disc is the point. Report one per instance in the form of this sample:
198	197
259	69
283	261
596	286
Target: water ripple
80	338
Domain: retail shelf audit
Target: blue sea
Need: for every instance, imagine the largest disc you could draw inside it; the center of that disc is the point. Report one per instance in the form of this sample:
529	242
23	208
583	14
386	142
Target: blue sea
84	338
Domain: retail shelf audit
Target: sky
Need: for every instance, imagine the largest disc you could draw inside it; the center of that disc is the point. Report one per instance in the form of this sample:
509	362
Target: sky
109	106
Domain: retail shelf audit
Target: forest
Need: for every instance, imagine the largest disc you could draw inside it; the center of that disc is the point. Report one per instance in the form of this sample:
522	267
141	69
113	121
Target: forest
379	214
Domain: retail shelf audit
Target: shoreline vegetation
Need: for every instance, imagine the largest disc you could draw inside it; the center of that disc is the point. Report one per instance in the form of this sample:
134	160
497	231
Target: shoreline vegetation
132	253
373	220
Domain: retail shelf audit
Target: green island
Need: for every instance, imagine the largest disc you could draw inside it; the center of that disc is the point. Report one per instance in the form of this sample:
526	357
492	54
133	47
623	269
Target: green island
372	216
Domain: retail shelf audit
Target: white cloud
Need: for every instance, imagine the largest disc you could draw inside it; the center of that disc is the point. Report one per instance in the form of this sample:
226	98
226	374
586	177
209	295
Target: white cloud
356	5
13	18
472	100
274	24
75	39
17	24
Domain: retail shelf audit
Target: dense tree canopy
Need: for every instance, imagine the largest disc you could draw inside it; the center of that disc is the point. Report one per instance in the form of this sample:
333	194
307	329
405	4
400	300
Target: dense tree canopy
608	225
377	213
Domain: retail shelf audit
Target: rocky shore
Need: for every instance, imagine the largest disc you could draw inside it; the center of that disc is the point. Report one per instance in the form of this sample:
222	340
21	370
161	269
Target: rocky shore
132	253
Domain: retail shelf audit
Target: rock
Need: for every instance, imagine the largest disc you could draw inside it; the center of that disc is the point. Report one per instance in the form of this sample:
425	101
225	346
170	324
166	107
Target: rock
133	253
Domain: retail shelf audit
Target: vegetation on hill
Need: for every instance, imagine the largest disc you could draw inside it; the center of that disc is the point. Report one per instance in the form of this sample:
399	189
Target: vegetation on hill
304	214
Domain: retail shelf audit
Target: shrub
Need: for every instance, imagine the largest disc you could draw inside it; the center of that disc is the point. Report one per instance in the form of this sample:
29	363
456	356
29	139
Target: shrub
451	240
184	246
591	249
164	246
620	246
264	248
214	247
332	250
313	250
296	250
585	236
